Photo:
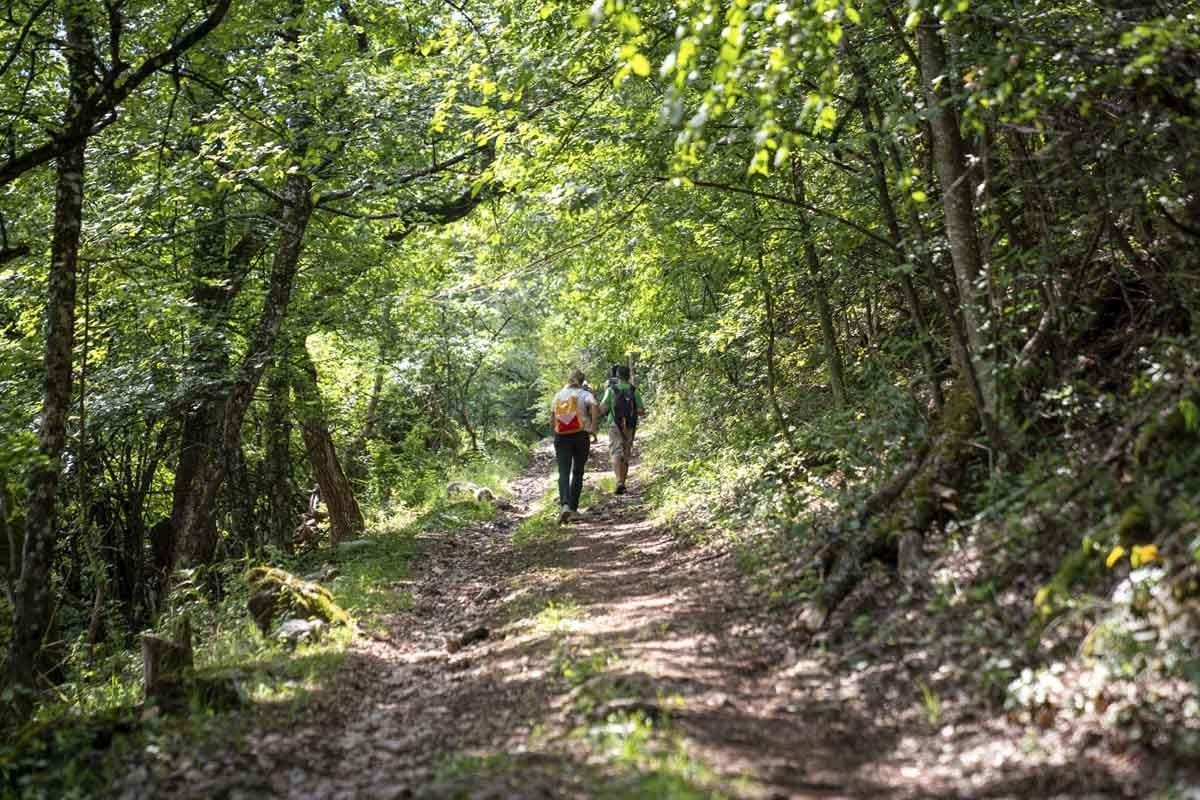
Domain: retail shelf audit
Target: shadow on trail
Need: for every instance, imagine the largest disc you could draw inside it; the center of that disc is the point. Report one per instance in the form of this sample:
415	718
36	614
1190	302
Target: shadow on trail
615	664
657	626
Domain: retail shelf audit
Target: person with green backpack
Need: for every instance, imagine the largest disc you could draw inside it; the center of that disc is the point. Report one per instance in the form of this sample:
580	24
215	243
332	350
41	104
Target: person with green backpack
621	406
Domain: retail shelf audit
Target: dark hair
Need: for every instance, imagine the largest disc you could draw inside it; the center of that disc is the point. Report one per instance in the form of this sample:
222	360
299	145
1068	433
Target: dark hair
621	371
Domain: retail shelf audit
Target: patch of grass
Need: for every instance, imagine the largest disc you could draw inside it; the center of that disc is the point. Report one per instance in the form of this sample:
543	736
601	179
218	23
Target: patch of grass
628	758
580	668
645	760
557	616
493	471
448	513
469	765
931	702
546	616
371	583
593	496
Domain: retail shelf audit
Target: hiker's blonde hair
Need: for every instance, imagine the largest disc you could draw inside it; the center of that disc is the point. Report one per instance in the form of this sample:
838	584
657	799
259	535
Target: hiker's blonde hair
576	378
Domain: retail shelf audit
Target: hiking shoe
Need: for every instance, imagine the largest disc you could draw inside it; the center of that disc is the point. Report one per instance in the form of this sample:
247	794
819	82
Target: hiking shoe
564	514
620	489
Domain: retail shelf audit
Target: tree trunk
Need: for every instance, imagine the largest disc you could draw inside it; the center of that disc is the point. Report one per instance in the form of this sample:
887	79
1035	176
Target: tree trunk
833	355
31	609
207	368
278	462
241	493
947	302
772	373
11	542
191	516
166	662
907	289
345	518
196	539
958	207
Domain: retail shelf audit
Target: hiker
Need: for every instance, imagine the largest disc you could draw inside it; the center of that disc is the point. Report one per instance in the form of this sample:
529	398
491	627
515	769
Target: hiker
621	406
574	419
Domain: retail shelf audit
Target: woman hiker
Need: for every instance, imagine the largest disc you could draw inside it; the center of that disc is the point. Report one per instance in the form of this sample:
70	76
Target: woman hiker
574	418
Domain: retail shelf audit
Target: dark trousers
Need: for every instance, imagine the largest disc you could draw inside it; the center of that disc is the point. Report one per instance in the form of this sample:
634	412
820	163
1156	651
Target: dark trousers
571	450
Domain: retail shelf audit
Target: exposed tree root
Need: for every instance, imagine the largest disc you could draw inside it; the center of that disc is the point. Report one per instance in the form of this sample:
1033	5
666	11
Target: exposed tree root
891	526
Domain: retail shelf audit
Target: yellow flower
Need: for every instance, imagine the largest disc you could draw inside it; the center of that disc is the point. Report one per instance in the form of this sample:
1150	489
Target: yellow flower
1116	555
1143	554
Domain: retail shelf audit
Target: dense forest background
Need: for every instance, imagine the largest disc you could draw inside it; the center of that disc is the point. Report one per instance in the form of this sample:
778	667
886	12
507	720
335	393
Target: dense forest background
898	279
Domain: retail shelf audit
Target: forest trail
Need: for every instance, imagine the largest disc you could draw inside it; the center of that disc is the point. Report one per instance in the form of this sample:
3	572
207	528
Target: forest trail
607	614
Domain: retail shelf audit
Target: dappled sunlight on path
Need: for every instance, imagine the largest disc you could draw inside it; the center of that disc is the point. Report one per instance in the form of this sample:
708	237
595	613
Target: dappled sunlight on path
646	625
601	658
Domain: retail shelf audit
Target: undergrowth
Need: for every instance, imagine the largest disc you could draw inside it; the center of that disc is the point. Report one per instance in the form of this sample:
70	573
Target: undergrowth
95	720
1062	583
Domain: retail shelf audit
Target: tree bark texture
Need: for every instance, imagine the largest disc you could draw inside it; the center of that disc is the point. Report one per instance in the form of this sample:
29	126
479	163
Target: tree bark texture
214	288
345	517
31	609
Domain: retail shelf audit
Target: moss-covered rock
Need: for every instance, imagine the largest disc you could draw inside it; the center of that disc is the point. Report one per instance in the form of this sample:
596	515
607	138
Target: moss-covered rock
277	595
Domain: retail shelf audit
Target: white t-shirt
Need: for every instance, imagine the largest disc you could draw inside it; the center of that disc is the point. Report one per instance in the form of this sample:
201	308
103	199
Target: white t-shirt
584	400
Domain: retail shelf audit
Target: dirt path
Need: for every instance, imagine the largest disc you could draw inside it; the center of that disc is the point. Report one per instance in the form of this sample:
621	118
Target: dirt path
586	625
604	611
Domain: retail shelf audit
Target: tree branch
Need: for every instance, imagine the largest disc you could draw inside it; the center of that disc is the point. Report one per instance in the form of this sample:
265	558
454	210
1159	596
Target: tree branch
99	110
889	246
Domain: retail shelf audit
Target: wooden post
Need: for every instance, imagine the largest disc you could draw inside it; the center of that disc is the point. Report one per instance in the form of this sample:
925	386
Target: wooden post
165	661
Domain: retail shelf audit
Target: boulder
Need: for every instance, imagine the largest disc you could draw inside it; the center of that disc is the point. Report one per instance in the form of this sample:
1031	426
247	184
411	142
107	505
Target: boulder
295	631
480	494
277	595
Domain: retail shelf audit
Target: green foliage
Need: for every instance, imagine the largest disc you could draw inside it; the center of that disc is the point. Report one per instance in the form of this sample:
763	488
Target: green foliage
557	616
654	762
503	195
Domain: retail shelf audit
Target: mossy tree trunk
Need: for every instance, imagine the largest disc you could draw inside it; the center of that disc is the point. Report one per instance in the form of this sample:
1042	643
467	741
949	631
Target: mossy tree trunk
31	606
